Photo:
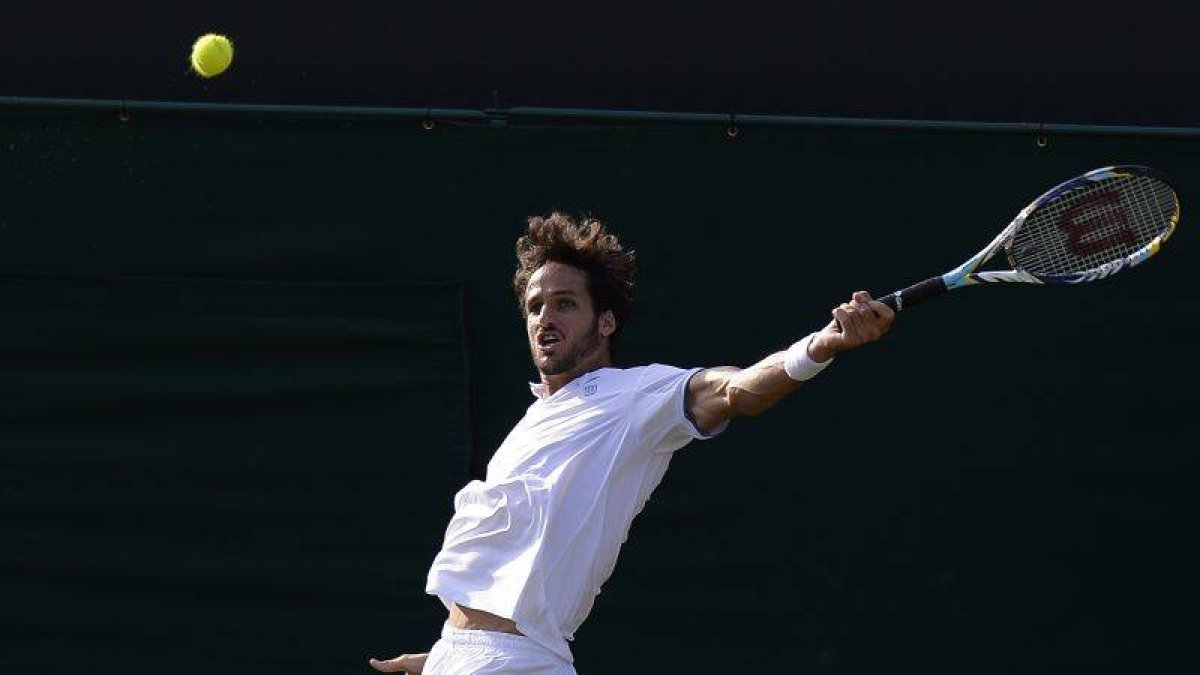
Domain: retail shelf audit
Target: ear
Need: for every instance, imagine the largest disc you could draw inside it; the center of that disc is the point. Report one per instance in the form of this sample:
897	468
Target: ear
608	323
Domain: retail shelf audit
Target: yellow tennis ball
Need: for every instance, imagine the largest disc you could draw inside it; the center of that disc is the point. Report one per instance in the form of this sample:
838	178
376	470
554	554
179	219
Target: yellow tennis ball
211	55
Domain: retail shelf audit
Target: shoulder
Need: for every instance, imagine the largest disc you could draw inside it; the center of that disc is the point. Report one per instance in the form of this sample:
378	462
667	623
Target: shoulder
648	378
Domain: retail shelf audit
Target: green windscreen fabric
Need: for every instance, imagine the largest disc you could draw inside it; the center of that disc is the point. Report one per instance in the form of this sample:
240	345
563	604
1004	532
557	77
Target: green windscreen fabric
252	476
212	476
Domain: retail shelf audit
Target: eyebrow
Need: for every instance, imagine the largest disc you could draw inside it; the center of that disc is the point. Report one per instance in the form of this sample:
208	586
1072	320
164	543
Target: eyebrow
552	294
565	291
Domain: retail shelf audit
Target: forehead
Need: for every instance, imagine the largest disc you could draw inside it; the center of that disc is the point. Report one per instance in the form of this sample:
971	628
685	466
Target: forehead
554	277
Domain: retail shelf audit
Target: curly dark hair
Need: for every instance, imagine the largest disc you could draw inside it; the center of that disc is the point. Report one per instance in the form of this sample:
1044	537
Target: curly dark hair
587	246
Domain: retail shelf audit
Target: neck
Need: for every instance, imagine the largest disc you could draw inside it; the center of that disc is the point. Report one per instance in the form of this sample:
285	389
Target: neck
599	359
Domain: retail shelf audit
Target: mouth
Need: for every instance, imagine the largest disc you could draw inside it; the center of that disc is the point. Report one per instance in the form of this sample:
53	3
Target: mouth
547	341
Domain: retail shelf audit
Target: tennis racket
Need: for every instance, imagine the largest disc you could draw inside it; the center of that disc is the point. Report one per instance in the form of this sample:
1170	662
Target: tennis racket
1085	229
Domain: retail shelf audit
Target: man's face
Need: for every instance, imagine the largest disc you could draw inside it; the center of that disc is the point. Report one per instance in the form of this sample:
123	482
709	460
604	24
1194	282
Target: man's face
564	331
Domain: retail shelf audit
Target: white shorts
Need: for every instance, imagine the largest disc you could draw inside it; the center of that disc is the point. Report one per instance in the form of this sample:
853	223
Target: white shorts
476	652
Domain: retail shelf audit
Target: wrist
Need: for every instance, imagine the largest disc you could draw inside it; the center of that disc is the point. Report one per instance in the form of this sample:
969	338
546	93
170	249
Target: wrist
800	361
818	350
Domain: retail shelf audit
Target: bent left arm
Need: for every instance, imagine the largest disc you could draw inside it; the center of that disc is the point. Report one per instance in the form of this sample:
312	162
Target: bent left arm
717	395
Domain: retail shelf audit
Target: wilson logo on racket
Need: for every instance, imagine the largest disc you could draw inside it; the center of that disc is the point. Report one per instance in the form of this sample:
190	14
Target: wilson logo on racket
1100	212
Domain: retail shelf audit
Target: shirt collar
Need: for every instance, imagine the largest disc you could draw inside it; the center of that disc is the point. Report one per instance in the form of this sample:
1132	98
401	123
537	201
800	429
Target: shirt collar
542	391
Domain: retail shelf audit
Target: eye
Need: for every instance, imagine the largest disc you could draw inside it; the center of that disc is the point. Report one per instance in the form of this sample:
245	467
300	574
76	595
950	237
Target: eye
566	304
534	307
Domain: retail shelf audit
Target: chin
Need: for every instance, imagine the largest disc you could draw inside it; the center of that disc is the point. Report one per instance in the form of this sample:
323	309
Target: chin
552	368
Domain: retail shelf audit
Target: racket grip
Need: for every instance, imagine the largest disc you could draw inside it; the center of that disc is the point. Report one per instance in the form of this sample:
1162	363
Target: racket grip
915	294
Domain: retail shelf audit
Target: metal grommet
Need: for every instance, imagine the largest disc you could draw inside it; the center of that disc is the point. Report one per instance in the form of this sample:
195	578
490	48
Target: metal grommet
123	114
731	129
1042	141
427	124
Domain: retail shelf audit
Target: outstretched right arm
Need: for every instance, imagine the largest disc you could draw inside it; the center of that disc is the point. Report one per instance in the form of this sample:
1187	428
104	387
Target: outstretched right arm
716	395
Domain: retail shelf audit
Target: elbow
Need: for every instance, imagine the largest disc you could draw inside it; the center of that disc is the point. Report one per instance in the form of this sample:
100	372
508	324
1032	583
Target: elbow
742	403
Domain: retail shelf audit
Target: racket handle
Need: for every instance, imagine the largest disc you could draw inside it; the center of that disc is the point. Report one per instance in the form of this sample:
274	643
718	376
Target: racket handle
915	294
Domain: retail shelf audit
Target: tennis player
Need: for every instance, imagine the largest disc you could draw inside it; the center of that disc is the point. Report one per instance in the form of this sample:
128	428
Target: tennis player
528	548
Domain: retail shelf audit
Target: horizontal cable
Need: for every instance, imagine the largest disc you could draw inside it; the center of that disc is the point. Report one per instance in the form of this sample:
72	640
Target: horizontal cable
516	115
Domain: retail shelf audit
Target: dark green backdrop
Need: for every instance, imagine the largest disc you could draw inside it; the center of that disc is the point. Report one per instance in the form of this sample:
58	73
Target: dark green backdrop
247	358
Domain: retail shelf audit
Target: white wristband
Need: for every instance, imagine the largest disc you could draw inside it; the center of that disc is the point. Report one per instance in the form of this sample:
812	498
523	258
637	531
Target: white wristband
799	365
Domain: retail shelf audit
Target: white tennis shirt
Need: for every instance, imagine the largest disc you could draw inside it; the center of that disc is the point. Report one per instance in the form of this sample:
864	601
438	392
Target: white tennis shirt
536	539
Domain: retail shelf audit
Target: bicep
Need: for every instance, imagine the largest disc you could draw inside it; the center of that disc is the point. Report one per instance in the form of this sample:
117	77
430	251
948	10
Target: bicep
708	402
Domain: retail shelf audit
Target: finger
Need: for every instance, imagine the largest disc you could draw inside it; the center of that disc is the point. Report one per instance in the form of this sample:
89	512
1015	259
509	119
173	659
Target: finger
838	314
859	310
856	307
870	327
849	320
863	304
400	664
882	311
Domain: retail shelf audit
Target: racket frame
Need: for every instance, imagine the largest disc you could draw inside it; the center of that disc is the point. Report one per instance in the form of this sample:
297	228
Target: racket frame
966	274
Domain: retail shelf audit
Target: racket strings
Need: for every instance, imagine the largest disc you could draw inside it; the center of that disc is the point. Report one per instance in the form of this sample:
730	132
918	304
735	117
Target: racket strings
1087	228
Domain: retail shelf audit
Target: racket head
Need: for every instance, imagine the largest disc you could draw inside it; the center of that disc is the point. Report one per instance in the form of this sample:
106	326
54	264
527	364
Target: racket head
1095	225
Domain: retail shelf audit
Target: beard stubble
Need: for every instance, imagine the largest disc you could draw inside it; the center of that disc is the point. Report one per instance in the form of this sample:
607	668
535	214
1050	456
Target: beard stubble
574	358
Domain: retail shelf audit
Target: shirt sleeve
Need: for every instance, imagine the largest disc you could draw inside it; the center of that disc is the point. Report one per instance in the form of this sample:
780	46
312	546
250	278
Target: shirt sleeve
662	408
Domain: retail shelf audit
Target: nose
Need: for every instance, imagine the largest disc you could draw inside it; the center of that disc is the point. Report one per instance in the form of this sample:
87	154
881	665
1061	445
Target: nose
546	317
